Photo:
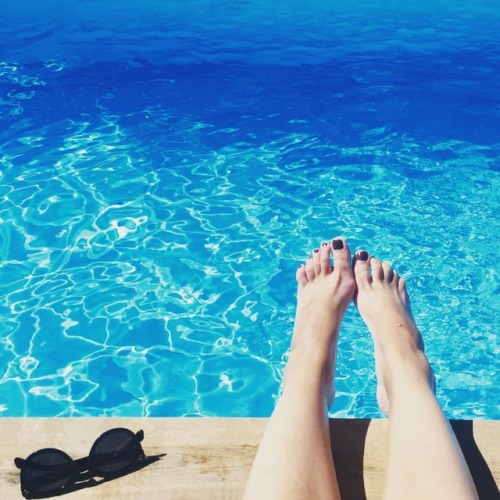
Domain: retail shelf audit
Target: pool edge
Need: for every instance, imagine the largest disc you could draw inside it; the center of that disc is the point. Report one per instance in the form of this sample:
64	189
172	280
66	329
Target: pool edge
211	457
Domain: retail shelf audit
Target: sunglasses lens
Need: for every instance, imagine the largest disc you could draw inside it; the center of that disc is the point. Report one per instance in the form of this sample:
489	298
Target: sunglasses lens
115	451
47	470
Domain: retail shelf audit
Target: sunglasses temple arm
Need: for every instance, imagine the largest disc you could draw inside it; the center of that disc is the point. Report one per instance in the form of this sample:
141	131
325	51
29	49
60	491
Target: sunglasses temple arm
21	463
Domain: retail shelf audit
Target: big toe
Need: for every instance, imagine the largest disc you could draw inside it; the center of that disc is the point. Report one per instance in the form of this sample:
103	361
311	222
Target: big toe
341	254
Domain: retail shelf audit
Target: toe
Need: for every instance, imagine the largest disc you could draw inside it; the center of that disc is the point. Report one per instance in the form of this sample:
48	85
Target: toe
301	275
341	253
395	277
403	292
388	272
362	268
309	267
377	269
326	265
316	260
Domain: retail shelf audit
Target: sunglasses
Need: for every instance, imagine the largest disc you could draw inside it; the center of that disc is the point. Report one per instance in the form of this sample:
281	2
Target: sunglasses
50	471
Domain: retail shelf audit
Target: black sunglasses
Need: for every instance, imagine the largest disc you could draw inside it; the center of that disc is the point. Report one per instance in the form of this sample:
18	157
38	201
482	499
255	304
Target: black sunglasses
50	471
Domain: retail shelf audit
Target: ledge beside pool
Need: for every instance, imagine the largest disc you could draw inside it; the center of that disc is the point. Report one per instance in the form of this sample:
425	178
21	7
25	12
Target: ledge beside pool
210	458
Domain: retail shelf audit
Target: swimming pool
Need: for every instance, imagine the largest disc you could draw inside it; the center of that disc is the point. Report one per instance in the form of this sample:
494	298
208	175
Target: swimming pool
165	168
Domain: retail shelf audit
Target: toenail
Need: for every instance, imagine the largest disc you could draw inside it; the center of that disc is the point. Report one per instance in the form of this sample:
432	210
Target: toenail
316	250
362	255
337	244
324	244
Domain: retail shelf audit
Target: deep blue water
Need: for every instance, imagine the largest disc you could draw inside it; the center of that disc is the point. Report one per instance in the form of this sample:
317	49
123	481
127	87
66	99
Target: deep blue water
164	169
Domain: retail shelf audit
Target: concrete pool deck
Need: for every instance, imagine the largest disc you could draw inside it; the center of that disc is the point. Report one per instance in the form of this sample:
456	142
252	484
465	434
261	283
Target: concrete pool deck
210	458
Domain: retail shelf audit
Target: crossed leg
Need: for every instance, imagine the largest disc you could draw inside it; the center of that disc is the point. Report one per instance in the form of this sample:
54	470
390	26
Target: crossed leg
294	459
424	458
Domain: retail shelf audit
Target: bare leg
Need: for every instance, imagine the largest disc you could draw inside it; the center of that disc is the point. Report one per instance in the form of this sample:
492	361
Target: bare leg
294	459
424	458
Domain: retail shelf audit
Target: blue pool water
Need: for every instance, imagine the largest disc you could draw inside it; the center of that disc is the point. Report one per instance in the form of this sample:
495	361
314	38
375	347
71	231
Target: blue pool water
165	168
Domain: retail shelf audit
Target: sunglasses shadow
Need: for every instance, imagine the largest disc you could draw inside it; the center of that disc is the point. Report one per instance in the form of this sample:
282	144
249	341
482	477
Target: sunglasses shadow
86	480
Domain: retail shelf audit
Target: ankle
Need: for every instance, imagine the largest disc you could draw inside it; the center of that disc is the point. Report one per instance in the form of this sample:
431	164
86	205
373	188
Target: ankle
313	357
318	348
310	366
407	369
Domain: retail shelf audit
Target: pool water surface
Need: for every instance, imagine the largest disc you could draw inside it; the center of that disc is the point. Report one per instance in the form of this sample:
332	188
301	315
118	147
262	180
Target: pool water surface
164	170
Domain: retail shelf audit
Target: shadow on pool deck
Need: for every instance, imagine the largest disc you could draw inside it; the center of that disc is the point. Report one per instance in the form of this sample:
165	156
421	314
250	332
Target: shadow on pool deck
481	473
211	457
360	475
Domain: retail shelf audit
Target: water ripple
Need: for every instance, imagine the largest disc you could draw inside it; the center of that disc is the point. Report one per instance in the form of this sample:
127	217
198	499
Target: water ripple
153	215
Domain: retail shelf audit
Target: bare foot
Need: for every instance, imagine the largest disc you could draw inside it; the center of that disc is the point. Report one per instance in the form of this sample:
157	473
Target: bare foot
324	292
383	303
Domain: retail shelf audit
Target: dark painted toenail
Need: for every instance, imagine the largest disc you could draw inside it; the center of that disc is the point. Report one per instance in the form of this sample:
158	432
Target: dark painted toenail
324	244
362	255
337	244
316	250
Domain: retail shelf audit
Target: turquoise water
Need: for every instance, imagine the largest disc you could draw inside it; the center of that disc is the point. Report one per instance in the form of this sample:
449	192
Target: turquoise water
164	169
